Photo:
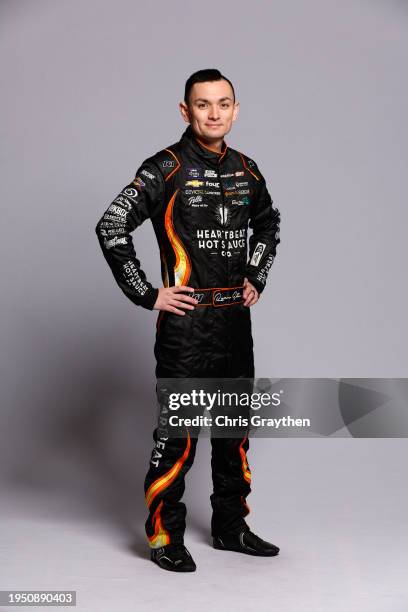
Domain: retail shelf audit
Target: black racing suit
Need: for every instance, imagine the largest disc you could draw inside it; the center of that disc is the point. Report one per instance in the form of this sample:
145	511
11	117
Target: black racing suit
200	203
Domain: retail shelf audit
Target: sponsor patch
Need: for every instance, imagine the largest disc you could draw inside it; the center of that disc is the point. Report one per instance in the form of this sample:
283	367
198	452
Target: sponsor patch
139	183
114	241
194	183
194	172
210	174
257	254
148	174
195	199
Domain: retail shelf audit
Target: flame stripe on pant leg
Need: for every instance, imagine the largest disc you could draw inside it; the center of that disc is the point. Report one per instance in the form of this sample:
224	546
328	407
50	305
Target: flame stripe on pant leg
161	536
245	468
164	481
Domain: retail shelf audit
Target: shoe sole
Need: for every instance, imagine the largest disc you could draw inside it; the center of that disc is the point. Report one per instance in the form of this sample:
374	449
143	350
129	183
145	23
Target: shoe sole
173	569
246	552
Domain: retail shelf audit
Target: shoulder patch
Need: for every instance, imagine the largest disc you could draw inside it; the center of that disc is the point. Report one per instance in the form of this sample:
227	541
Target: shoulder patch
250	165
168	161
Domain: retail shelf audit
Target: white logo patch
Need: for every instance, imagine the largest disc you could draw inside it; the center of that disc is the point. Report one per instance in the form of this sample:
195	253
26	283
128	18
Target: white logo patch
258	252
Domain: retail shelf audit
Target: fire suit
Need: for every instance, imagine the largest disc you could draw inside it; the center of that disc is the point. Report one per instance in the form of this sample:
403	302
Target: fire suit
201	203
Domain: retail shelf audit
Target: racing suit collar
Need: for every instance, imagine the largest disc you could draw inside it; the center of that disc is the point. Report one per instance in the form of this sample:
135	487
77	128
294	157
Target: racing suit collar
201	149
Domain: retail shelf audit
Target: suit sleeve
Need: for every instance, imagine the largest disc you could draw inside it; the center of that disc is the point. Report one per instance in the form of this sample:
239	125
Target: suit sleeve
265	224
133	205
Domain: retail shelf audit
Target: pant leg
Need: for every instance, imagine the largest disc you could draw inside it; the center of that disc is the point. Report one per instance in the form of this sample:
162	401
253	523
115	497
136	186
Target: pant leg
164	487
171	457
230	470
232	483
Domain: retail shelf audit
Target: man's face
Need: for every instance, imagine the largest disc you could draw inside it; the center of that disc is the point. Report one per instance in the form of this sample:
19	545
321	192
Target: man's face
211	109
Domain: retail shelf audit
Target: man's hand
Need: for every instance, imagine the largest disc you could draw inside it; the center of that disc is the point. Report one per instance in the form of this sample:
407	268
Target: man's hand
250	294
171	299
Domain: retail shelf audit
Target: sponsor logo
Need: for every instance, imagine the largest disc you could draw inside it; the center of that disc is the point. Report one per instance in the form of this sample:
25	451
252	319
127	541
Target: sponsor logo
194	183
132	277
221	297
263	272
148	174
194	172
118	210
123	202
257	254
193	191
138	182
240	173
221	234
132	193
236	192
198	296
168	163
209	184
245	200
228	175
114	241
229	185
222	242
251	163
222	215
241	184
113	231
210	173
195	199
107	218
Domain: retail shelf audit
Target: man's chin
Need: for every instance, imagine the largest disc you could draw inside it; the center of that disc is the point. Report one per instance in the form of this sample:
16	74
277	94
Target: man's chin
213	135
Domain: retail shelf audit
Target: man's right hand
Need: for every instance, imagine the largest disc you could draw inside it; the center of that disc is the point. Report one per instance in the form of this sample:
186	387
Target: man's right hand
172	299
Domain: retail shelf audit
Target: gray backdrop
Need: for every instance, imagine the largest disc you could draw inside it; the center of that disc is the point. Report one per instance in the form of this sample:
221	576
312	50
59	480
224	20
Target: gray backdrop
89	90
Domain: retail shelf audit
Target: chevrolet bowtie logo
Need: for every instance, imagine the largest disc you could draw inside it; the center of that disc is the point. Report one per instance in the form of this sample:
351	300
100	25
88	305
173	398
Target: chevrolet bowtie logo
194	183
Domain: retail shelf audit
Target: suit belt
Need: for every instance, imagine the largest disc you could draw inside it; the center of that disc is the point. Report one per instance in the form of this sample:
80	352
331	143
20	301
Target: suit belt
218	296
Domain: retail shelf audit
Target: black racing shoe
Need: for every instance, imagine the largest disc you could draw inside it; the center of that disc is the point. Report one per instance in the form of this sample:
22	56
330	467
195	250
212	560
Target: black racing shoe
173	557
245	542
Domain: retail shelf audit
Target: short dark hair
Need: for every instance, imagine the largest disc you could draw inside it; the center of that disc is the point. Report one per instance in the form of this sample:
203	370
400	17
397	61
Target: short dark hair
202	76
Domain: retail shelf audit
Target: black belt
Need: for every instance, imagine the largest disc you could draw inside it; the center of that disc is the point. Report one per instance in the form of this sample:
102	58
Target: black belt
218	296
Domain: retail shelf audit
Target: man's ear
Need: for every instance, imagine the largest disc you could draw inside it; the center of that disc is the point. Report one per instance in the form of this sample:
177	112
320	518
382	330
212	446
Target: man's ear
184	112
236	111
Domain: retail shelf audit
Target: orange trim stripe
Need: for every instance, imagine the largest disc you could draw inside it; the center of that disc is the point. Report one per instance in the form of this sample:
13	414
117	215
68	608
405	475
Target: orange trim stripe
245	468
222	153
246	167
176	168
248	509
164	481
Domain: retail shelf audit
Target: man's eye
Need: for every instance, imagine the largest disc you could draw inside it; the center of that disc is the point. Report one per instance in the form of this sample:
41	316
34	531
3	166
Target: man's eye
225	105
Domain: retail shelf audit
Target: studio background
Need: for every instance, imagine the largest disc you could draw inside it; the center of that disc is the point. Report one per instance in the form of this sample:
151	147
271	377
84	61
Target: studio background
91	89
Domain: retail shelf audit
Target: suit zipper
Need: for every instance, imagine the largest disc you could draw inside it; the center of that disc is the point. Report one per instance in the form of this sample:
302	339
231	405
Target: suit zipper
223	209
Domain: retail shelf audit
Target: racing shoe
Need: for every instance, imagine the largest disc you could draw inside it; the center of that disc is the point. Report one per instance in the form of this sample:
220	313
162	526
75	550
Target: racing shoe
245	542
173	557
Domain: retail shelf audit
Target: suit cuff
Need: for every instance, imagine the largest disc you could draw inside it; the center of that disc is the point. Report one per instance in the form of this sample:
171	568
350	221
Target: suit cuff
149	299
258	285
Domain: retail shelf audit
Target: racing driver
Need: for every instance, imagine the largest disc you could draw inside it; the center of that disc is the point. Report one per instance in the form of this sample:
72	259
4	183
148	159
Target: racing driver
200	195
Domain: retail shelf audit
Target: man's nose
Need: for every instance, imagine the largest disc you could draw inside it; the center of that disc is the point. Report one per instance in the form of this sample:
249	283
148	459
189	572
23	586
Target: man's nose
214	111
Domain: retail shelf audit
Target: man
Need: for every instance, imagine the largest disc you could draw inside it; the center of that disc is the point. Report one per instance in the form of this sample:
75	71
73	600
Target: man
200	195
